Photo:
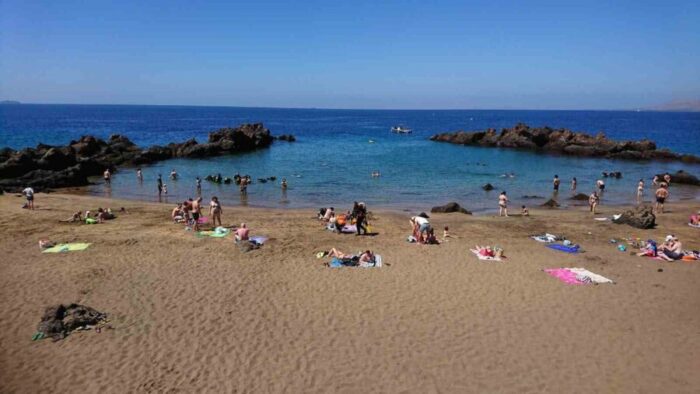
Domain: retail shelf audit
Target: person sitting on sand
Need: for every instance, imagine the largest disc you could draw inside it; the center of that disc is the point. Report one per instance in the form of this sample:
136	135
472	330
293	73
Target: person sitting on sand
672	249
177	214
649	250
593	201
446	233
327	215
524	211
366	257
241	233
215	210
661	196
503	204
694	219
430	238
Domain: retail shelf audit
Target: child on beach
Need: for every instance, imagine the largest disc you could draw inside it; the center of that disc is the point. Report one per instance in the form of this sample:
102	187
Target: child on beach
29	194
524	211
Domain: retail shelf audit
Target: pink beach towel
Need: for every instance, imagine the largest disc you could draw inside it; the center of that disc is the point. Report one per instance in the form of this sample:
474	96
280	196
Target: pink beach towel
203	219
564	275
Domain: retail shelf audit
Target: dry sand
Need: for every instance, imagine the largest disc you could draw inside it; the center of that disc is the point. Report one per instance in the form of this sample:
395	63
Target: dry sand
196	314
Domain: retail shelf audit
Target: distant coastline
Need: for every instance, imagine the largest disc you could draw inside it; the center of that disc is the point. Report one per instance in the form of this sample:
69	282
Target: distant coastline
9	102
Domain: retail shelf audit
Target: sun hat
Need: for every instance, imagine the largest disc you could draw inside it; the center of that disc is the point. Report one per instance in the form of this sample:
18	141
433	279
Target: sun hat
669	238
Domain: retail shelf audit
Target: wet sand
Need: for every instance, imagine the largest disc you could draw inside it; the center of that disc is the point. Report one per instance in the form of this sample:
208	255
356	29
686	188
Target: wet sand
196	314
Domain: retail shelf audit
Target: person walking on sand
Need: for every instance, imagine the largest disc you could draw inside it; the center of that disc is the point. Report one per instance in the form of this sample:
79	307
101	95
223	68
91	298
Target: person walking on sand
139	175
215	211
640	190
108	176
503	204
661	196
556	183
29	194
593	201
573	184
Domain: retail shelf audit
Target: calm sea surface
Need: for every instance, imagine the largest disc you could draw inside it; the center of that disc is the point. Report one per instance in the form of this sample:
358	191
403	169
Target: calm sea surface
332	161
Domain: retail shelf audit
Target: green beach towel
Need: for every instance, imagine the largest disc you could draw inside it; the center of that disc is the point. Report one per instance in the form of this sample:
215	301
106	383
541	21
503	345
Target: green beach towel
67	248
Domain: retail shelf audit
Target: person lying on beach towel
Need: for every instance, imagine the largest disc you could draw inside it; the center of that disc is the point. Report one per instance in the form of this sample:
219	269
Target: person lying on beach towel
546	238
366	259
694	220
76	218
487	253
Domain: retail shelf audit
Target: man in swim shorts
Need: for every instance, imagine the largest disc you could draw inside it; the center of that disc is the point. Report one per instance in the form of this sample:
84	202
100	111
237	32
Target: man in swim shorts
29	193
661	196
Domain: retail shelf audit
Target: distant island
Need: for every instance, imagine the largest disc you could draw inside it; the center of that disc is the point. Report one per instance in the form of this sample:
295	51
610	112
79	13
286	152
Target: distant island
9	102
678	106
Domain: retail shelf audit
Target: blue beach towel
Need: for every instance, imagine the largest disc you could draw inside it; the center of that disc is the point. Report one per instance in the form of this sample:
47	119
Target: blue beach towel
564	248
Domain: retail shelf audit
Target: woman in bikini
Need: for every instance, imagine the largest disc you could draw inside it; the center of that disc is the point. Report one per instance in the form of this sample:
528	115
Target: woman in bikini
215	210
503	204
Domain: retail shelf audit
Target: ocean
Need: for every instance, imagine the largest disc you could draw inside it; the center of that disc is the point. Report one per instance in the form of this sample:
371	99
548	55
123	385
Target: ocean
333	159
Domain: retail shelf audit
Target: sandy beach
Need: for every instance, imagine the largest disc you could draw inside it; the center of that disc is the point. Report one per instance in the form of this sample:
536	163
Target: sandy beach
196	314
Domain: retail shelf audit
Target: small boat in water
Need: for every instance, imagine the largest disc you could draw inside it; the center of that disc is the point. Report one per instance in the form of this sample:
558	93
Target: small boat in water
401	130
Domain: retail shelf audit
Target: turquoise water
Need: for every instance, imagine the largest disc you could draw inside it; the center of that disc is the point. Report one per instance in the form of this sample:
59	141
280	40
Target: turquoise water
332	161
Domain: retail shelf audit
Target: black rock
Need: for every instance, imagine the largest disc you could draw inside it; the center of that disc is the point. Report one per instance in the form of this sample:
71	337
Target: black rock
551	203
449	208
641	217
488	187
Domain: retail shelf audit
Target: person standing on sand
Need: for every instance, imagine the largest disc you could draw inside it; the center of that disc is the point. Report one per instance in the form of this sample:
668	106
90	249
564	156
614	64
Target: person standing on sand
661	196
215	211
29	194
556	183
196	212
108	177
503	204
593	201
139	175
573	184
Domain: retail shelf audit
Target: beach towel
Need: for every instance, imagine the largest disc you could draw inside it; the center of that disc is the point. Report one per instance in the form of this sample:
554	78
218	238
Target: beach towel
349	229
218	232
564	248
547	238
577	276
694	225
337	263
259	239
482	257
67	248
601	219
203	220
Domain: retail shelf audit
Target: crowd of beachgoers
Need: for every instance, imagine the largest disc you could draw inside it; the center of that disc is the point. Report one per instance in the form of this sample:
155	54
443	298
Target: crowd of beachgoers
190	212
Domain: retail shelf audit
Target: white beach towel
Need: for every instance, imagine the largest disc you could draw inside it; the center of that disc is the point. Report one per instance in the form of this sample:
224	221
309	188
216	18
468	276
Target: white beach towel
587	276
694	225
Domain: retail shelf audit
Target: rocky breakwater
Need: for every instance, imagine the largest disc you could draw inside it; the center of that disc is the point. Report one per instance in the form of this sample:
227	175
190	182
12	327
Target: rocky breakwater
565	142
46	167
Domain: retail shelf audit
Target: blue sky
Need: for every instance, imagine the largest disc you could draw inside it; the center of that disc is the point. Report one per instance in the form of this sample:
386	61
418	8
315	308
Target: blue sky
354	54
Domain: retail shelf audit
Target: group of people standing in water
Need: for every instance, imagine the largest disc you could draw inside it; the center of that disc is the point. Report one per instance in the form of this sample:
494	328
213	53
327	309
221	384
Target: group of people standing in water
661	194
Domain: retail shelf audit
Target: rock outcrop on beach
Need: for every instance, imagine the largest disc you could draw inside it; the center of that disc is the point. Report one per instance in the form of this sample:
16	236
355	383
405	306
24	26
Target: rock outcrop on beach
641	217
563	141
682	178
487	187
47	167
551	203
449	208
580	197
60	320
